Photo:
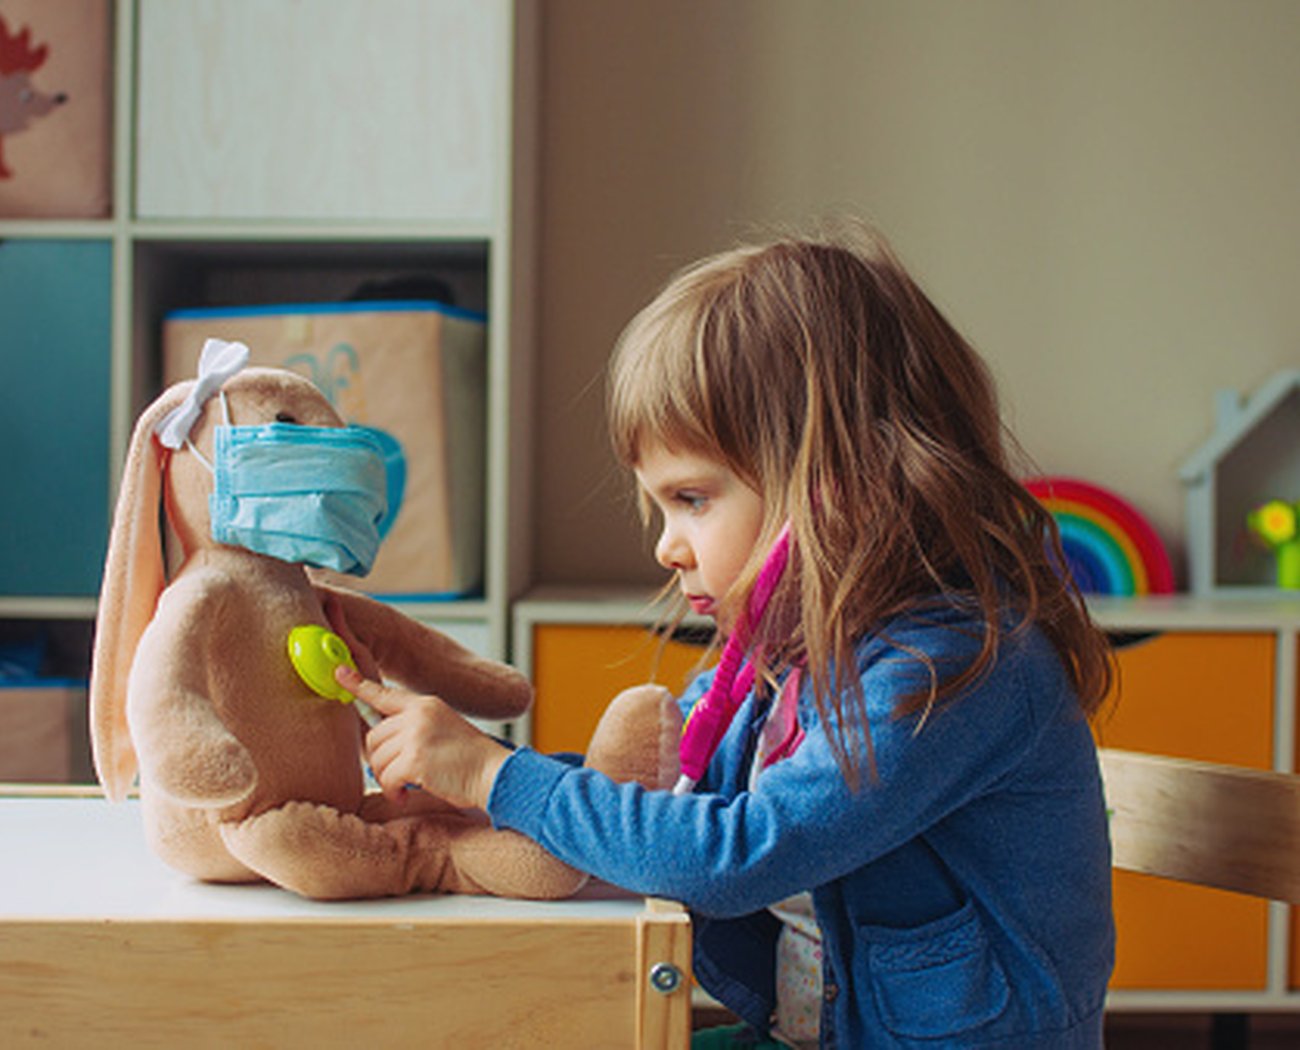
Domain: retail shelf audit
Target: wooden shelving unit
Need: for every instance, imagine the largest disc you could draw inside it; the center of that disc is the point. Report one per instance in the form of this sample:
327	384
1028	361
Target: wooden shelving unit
391	139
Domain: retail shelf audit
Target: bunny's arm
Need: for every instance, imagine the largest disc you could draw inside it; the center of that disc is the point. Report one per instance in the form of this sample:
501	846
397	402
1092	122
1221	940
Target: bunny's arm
427	661
184	748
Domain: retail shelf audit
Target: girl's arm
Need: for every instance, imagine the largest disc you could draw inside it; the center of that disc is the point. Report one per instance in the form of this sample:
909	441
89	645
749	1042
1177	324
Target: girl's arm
801	827
422	741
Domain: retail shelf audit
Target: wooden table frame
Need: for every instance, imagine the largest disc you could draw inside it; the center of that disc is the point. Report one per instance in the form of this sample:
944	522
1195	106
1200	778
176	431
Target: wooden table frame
121	951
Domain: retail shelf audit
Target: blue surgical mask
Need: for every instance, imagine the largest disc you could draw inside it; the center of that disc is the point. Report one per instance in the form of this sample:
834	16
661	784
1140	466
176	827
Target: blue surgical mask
314	495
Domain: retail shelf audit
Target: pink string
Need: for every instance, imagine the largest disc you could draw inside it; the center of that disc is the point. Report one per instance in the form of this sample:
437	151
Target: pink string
734	678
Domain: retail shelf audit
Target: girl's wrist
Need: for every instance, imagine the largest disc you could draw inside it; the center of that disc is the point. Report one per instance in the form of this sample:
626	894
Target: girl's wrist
494	758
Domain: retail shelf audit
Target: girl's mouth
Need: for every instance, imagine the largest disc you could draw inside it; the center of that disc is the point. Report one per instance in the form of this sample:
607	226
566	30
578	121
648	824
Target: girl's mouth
701	604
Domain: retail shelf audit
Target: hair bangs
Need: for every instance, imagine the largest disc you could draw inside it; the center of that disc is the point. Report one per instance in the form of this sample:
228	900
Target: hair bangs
654	392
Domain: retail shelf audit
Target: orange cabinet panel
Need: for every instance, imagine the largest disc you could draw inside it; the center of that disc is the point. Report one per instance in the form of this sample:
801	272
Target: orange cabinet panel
1207	696
1199	695
578	669
1171	935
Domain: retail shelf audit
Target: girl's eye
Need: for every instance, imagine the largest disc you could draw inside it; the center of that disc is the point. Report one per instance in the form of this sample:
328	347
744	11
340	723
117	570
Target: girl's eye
285	417
692	500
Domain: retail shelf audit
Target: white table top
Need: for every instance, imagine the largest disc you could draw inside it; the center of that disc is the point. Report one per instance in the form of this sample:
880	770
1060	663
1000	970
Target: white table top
86	858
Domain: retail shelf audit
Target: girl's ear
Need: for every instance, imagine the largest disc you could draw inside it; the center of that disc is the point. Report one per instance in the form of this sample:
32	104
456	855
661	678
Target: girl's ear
133	582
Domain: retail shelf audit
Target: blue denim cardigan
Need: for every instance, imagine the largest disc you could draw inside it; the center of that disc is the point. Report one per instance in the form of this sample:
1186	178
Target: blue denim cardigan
963	891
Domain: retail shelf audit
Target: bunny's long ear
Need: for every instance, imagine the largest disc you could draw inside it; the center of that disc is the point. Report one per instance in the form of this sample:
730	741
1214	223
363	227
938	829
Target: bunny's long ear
133	582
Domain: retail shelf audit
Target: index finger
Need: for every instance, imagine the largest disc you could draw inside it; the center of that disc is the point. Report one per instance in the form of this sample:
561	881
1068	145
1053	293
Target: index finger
384	700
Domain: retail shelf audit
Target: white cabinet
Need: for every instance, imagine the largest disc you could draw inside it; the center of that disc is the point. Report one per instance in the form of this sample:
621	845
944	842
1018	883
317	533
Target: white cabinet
348	110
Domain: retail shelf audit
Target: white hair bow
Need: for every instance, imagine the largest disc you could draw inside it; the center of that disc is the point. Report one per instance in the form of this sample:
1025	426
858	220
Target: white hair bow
218	362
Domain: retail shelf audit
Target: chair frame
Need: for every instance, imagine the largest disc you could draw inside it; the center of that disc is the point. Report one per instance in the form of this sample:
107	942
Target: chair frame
1201	822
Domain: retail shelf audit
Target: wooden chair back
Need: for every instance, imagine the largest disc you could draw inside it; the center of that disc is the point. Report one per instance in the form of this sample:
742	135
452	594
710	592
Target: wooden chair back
1213	825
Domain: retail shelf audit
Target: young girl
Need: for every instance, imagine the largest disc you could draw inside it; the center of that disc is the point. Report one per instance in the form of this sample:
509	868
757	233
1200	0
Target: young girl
901	839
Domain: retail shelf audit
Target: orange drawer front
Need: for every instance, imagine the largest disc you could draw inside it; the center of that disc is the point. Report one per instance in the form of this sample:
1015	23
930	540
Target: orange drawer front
578	669
1205	696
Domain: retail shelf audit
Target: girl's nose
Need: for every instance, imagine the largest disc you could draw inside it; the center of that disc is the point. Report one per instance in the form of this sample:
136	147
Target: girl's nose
672	552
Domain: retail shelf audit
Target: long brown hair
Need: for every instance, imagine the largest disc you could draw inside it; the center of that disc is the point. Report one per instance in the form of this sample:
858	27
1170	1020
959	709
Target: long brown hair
819	372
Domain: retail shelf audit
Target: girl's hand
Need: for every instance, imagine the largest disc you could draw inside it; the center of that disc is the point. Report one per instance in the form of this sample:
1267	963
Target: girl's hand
422	741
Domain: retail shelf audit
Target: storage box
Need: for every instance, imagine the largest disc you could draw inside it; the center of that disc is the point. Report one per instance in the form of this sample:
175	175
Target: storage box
413	370
55	108
43	735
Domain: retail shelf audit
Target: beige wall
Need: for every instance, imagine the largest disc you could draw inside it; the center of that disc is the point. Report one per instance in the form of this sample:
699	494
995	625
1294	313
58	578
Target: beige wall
1101	193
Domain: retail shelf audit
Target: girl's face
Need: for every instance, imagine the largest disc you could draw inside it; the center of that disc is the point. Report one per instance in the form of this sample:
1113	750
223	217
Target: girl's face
711	521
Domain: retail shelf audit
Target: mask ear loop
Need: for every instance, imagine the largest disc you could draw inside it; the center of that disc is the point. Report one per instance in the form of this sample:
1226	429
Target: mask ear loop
225	415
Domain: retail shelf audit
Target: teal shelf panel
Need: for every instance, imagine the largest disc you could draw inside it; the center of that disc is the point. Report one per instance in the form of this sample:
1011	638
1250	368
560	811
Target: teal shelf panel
55	347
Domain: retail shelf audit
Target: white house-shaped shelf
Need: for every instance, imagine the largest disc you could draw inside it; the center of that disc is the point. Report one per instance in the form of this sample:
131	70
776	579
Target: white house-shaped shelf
1252	457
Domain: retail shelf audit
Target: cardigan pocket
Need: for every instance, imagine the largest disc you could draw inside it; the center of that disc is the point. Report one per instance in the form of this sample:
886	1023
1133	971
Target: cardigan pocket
938	979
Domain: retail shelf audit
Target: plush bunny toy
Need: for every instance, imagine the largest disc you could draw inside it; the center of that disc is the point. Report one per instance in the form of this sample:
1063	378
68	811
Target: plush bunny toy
245	773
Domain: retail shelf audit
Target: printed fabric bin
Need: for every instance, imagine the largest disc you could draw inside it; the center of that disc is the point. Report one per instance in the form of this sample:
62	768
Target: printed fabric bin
44	737
55	109
412	371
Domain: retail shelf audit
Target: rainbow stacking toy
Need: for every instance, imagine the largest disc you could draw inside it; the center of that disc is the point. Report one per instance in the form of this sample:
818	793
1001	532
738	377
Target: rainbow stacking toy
1110	548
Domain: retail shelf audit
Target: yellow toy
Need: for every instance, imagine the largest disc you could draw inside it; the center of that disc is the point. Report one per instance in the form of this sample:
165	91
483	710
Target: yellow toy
316	653
1274	525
